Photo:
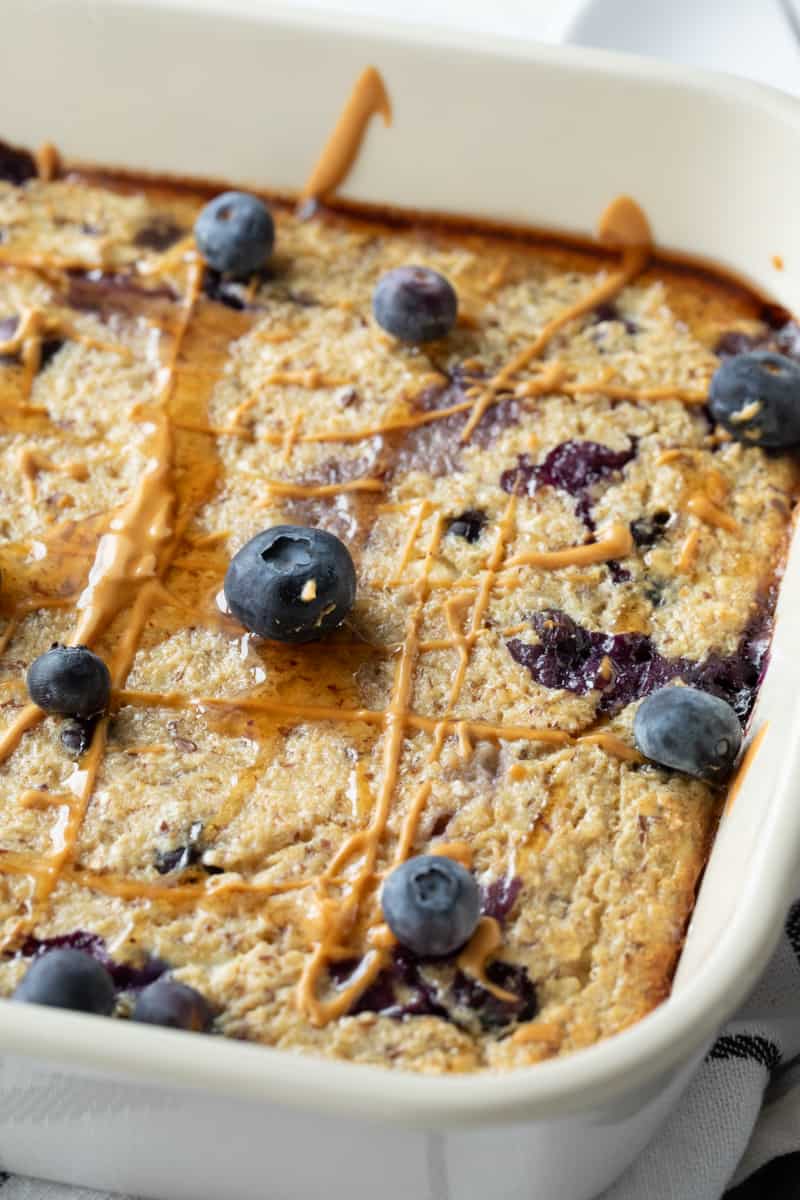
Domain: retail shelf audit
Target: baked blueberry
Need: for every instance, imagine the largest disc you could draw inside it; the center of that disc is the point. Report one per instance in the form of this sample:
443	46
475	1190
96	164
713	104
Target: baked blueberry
647	531
431	904
68	979
468	524
688	730
235	233
76	737
415	304
176	1005
291	583
70	680
756	397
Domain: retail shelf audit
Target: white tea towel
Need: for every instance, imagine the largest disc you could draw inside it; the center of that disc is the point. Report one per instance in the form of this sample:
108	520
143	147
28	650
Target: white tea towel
709	1142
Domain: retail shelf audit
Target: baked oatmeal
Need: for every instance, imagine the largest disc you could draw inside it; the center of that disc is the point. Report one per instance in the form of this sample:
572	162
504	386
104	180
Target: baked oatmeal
546	526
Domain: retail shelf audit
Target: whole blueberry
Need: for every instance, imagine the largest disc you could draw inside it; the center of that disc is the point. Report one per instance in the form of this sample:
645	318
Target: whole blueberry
688	730
68	979
291	583
70	680
235	233
176	1005
756	397
415	304
431	904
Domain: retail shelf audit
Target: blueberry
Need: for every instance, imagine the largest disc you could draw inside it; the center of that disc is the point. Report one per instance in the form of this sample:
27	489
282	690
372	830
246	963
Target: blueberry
69	680
688	730
756	397
431	904
76	737
647	531
468	524
415	304
176	1005
235	233
291	583
68	979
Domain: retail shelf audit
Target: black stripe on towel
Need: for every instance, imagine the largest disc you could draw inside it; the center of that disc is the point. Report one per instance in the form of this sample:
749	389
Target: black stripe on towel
778	1180
4	1177
793	927
757	1048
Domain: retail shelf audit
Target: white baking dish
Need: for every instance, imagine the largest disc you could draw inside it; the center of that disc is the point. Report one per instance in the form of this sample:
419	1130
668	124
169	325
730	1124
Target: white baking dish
511	131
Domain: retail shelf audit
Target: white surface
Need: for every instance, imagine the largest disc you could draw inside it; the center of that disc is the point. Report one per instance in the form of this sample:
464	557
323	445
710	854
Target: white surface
543	20
507	130
751	38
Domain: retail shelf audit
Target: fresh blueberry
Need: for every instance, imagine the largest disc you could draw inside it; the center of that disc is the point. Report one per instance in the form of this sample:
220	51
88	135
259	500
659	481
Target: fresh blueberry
688	730
69	680
431	904
291	583
68	979
235	233
415	304
176	1005
756	397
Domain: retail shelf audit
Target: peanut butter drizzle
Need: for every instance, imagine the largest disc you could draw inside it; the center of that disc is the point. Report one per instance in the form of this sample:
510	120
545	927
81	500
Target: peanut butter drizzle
711	513
39	798
335	923
619	391
134	549
278	488
635	255
128	554
368	97
48	162
617	542
612	745
475	956
623	226
31	462
459	851
537	1032
688	554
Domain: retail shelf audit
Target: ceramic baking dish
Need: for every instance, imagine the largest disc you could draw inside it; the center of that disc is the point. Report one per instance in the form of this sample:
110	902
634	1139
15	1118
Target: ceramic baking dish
504	130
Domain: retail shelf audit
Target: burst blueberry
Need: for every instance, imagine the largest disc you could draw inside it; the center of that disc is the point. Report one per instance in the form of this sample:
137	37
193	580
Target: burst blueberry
431	904
468	524
756	397
291	583
647	531
415	304
688	730
68	979
174	1005
235	233
76	737
69	680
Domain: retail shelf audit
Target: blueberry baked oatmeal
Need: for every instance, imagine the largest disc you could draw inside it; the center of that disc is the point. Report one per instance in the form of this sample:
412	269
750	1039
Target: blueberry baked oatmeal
383	602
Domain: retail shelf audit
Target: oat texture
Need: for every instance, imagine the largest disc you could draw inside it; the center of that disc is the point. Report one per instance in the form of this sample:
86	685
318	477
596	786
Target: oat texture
235	814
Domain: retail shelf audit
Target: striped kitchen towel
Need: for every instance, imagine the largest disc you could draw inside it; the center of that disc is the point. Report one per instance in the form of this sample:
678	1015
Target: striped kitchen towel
738	1124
